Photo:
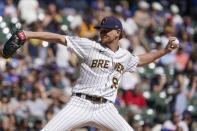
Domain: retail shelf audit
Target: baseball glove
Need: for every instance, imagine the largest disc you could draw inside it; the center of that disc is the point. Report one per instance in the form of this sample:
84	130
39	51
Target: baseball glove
16	41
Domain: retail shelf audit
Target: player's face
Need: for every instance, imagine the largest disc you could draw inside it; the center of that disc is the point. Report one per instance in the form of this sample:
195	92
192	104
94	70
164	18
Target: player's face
109	35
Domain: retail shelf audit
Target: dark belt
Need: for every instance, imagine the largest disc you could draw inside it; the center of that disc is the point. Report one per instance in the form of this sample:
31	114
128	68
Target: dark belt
91	98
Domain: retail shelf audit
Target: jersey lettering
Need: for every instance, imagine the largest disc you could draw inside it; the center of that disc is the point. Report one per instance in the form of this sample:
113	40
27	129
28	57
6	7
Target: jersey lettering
119	67
100	63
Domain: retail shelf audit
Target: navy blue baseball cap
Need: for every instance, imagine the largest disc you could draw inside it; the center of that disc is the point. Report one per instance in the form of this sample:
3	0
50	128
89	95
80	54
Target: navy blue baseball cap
110	22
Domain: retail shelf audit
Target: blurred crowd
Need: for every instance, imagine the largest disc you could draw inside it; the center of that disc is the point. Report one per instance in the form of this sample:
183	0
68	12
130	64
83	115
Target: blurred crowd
37	82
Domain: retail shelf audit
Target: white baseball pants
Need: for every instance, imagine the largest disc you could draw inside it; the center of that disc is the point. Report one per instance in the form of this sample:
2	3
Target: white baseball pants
80	112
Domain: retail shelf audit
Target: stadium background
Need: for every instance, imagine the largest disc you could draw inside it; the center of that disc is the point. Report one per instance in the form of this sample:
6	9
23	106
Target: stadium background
37	82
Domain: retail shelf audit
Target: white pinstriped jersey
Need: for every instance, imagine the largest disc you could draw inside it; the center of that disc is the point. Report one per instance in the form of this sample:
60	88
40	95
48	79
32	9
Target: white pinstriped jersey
101	68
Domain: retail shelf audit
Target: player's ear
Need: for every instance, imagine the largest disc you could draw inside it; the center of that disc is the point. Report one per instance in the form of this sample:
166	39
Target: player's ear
119	33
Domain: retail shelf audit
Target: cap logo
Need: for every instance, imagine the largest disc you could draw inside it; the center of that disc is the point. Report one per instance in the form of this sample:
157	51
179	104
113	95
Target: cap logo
103	21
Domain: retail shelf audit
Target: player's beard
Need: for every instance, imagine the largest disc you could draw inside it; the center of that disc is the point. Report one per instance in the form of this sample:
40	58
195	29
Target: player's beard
106	40
111	43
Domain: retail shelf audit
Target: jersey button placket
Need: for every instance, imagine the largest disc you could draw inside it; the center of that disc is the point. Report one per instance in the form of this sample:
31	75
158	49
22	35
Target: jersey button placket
112	69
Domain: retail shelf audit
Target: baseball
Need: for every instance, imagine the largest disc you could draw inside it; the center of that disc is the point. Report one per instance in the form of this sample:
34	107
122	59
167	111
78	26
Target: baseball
174	43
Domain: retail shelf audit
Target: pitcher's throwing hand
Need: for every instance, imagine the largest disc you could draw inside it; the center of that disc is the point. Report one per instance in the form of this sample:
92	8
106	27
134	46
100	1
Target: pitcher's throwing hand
173	44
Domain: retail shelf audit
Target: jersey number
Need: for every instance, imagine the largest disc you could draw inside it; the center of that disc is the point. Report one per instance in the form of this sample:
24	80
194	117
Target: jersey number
114	83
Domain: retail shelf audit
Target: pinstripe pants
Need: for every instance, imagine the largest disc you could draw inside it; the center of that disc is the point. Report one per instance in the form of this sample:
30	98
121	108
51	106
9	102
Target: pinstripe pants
80	112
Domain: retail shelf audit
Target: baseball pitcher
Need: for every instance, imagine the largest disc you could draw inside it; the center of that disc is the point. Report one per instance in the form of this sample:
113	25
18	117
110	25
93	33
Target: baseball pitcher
102	65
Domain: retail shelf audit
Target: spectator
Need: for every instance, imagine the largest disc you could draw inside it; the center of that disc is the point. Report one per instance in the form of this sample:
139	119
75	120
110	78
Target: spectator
2	7
25	8
146	127
183	95
181	59
37	106
141	16
177	19
174	123
186	43
21	107
10	9
135	99
186	122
